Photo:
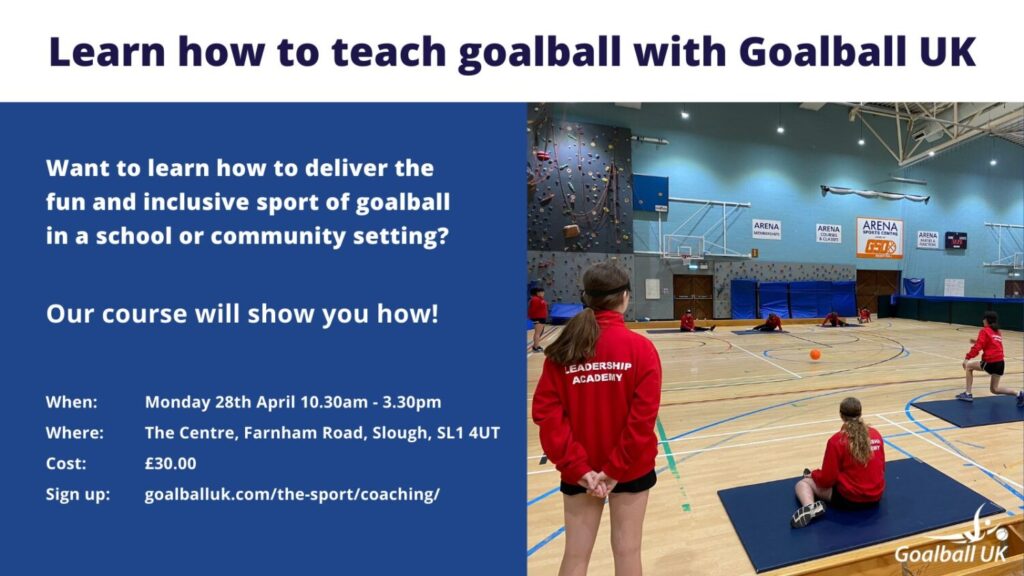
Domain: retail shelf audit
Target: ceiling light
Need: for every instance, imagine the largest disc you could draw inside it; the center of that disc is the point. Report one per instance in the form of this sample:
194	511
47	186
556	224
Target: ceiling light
780	130
860	142
685	115
931	152
993	162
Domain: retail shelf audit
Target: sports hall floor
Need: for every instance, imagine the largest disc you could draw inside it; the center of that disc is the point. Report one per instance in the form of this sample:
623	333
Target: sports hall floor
739	410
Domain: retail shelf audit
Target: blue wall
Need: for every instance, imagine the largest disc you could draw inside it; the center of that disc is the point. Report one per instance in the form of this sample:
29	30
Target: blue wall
732	152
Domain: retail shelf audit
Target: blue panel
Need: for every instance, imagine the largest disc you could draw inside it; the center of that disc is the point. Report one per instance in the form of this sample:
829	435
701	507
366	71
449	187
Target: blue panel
649	191
774	299
760	514
744	299
807	298
562	313
844	299
913	286
981	412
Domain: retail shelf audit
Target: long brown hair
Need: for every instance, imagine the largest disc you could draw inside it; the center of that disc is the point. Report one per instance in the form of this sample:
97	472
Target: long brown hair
604	287
856	430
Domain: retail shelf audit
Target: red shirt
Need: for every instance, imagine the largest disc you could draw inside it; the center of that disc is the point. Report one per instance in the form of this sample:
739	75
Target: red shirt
686	323
538	309
599	414
832	317
865	314
989	343
774	321
858	482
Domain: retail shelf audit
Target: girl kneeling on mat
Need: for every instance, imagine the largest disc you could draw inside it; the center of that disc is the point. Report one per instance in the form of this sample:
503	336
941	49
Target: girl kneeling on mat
990	343
852	474
596	404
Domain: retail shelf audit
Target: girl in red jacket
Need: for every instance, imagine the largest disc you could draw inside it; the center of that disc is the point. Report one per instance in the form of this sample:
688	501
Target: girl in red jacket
596	405
537	312
833	320
687	324
772	323
990	343
852	474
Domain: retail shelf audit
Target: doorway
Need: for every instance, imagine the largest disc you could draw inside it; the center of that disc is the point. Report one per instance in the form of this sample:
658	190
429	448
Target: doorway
1014	289
695	293
874	283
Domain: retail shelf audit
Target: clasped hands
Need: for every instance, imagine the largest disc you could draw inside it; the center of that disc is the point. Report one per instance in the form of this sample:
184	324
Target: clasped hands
598	484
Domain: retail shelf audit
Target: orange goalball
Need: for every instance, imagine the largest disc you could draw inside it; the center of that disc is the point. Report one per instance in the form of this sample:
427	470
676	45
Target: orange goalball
815	354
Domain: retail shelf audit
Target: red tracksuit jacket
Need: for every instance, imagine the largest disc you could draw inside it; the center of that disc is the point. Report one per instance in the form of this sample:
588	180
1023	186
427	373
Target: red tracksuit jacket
858	482
774	321
686	322
600	414
989	343
538	309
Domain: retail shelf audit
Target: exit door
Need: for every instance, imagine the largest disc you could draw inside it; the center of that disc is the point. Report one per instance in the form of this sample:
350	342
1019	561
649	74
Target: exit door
695	293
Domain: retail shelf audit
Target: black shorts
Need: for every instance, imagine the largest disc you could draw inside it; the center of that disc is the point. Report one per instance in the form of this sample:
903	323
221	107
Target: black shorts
994	368
645	482
843	503
539	320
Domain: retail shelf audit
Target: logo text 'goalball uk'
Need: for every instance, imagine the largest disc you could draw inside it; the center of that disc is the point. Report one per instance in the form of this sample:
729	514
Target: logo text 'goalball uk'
971	549
879	238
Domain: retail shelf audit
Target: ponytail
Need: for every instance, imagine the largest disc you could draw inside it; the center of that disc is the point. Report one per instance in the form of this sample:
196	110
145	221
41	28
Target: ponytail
577	341
858	439
604	288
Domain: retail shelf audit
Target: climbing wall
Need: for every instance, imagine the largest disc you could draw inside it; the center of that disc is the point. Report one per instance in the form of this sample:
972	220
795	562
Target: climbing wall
560	272
579	185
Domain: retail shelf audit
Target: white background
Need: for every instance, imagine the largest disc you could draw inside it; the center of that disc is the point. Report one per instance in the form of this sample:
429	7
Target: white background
26	27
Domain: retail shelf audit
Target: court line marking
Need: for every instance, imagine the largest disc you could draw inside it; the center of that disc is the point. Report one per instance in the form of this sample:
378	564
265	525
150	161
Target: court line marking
766	360
906	408
964	458
767	428
743	445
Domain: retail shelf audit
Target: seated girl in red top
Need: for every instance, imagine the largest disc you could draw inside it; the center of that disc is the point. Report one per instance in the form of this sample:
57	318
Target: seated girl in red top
852	475
596	404
833	320
537	312
772	323
687	324
865	316
990	343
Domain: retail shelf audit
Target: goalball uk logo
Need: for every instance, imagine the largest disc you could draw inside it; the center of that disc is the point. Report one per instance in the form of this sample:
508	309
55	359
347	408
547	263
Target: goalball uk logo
968	548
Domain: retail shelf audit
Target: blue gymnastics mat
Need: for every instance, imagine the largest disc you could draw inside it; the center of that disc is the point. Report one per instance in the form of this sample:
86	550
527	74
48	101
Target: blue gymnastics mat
669	331
982	412
847	326
746	332
917	498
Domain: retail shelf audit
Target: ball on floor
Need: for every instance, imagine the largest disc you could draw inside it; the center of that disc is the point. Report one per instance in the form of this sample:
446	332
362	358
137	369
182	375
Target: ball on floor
815	354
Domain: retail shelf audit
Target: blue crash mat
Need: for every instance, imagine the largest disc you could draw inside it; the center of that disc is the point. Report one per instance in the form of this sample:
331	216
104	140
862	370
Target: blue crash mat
918	498
747	332
982	412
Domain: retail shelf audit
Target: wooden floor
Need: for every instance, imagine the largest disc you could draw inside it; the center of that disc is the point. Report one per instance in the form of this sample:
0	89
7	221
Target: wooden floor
756	408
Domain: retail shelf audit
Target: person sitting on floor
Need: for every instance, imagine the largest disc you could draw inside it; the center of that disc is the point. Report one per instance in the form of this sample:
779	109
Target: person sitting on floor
852	474
772	323
686	324
865	316
833	319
